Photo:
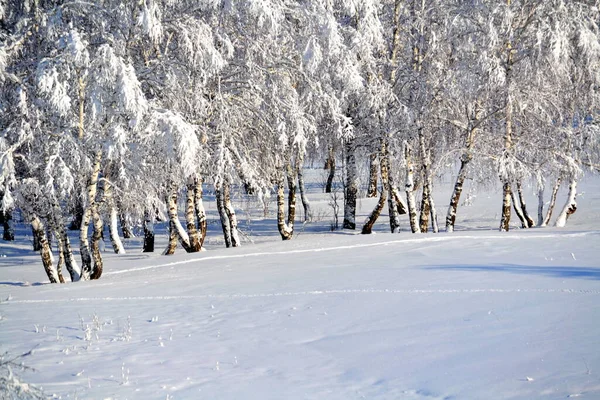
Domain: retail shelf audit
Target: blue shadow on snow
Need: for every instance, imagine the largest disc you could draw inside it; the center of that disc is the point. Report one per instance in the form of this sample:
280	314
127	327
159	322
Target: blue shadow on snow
551	271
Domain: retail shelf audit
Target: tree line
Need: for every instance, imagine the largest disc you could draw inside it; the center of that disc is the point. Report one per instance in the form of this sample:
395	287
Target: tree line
110	110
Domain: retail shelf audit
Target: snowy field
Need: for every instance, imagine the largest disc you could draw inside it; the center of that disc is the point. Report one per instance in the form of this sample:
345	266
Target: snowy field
476	314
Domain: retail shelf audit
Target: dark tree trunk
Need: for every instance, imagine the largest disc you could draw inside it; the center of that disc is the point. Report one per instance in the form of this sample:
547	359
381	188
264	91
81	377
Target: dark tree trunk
373	167
351	186
148	231
8	225
330	165
368	226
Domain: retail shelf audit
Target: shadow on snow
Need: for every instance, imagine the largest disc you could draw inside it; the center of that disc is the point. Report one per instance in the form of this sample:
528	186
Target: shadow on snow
551	271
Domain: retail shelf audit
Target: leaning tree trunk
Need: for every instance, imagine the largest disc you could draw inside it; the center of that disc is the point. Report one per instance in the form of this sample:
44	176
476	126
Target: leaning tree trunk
526	215
225	224
410	190
570	206
200	212
190	215
230	211
368	226
552	202
46	253
518	211
84	246
172	243
302	189
330	165
149	231
467	156
373	167
351	187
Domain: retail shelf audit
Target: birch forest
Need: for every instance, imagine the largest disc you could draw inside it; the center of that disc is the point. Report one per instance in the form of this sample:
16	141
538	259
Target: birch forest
119	114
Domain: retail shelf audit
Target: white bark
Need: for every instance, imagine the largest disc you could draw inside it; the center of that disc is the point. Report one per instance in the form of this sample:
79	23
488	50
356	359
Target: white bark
84	246
410	191
570	206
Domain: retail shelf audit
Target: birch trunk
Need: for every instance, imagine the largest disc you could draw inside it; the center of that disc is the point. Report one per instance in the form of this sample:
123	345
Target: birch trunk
285	230
61	258
174	219
507	195
393	205
552	202
200	212
434	222
37	246
225	224
427	183
526	215
172	243
373	167
149	232
458	188
39	231
190	215
508	131
518	211
302	189
351	187
64	244
230	211
368	226
84	247
570	206
330	165
410	188
113	229
96	238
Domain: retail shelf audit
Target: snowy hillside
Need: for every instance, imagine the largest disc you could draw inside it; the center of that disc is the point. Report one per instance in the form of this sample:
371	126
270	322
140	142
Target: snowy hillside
329	315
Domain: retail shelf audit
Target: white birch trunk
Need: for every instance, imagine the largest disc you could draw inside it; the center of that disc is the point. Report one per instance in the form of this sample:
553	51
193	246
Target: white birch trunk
225	224
190	216
64	244
570	206
84	247
113	229
200	212
552	202
174	219
370	222
230	211
518	210
410	190
45	252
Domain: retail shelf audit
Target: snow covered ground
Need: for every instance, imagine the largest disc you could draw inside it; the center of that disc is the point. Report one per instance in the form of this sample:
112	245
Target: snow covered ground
477	314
